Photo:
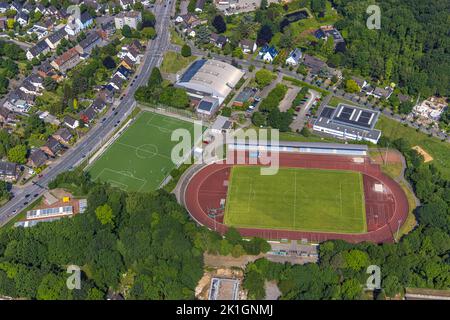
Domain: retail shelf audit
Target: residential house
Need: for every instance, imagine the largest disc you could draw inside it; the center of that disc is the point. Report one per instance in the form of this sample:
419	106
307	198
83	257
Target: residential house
315	65
63	135
55	38
67	60
117	82
37	158
268	54
39	31
88	115
40	8
248	46
134	55
127	63
130	18
127	4
294	57
16	6
106	95
85	20
382	92
22	18
4	7
109	28
98	105
52	147
9	171
189	20
47	70
41	48
71	122
136	45
123	72
36	80
29	88
28	8
218	40
329	31
87	44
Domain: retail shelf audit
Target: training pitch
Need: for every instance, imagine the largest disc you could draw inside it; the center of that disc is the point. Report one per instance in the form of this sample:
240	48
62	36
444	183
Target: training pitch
296	199
140	159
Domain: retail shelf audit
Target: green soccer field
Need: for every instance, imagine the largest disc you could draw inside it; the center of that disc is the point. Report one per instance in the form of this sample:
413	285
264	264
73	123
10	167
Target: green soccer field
296	199
140	159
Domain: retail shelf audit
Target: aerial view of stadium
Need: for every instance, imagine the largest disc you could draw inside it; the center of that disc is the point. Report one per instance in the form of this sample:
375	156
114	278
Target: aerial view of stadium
315	195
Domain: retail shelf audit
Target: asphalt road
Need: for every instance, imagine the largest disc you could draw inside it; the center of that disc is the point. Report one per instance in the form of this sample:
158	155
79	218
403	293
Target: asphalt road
101	132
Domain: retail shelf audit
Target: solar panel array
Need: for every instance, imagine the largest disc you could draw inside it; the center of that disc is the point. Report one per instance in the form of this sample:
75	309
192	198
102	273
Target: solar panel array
49	212
327	112
192	70
355	116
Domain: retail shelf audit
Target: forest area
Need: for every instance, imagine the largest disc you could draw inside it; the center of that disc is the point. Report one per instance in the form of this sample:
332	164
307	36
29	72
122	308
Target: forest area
411	49
142	246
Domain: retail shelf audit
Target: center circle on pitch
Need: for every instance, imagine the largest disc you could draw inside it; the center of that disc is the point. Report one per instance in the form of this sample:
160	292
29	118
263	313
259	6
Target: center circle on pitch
146	151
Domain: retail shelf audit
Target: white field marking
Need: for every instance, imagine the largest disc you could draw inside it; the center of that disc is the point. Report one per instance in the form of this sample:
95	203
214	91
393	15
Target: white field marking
120	185
295	194
143	181
162	129
136	149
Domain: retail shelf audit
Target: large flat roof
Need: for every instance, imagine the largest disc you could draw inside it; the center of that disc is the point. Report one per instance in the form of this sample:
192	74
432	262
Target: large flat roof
213	77
312	145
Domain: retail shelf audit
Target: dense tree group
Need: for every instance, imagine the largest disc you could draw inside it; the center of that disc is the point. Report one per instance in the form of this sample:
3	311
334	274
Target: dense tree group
157	92
410	48
141	245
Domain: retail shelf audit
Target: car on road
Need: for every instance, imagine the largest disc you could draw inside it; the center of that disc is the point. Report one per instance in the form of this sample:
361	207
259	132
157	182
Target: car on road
115	113
103	120
25	203
27	195
35	195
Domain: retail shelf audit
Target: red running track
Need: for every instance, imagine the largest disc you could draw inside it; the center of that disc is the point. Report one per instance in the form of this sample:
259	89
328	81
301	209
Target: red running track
384	209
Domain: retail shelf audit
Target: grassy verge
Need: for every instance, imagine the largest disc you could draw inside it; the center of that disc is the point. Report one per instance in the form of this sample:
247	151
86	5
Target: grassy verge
410	222
334	101
439	150
175	38
174	62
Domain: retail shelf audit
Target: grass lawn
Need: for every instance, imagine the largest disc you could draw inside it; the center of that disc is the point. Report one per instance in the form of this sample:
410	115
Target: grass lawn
440	151
334	101
175	37
296	199
140	159
174	62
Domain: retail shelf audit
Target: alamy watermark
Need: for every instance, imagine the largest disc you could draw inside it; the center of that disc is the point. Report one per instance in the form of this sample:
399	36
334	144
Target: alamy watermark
374	280
74	280
374	20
